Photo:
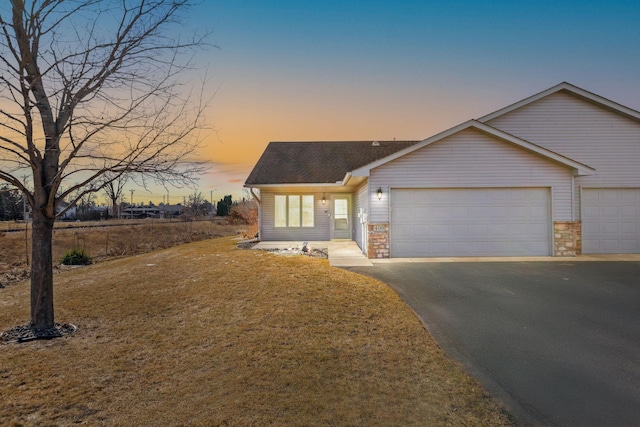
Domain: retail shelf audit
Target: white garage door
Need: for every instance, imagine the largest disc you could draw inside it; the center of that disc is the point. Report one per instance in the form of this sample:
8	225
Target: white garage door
470	222
611	221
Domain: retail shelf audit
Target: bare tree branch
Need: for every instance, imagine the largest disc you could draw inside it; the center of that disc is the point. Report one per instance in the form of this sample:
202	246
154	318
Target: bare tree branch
92	91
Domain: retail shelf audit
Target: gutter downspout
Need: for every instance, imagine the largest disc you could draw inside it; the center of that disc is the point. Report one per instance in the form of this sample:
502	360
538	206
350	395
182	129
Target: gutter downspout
255	196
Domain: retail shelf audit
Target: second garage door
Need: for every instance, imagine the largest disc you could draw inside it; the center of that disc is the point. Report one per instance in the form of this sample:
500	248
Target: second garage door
611	221
470	222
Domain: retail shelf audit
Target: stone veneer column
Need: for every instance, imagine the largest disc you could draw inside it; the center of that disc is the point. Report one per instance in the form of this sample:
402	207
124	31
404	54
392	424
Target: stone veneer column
378	240
567	238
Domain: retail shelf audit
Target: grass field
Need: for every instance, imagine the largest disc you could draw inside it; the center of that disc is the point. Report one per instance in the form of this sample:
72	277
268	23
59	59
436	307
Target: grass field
205	334
104	240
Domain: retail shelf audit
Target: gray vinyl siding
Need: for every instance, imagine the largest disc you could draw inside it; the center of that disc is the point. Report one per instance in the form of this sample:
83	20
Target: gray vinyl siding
583	131
471	159
360	202
320	230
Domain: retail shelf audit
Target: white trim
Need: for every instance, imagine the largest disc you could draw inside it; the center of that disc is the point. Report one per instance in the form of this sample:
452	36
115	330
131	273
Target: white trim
284	184
573	198
345	180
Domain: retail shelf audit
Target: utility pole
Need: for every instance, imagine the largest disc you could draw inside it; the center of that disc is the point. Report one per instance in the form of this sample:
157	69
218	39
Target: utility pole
24	201
131	208
170	212
24	217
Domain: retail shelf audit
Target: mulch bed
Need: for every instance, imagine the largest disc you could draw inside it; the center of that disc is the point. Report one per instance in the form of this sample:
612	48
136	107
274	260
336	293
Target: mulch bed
304	250
24	333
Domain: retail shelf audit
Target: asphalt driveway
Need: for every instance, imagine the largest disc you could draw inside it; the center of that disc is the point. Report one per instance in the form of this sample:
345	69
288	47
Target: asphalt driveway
557	342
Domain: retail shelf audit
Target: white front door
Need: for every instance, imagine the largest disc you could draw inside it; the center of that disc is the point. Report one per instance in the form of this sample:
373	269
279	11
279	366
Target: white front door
340	217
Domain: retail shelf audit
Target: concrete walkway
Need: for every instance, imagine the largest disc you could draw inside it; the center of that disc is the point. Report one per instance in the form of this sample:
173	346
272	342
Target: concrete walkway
347	254
342	253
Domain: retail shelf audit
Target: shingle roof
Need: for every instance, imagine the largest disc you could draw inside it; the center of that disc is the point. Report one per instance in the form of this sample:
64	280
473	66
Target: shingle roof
317	162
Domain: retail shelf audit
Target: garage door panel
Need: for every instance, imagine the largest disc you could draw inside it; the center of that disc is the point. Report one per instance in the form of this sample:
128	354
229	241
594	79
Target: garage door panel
589	212
630	212
539	231
609	212
611	220
479	211
518	211
470	222
479	230
498	212
495	198
538	211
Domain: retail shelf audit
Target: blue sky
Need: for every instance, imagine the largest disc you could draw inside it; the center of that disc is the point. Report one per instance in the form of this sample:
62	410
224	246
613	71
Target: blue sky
359	70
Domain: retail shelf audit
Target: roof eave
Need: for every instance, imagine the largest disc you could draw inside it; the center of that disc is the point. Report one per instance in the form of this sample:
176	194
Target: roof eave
292	184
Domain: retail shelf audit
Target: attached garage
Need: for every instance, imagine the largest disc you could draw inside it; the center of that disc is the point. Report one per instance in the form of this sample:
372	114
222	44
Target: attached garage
470	222
611	220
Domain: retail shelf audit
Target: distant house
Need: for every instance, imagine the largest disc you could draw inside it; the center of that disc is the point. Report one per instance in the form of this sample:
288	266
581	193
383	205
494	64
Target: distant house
557	173
161	211
70	212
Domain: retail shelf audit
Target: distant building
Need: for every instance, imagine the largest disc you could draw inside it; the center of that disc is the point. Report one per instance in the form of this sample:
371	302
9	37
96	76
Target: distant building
162	211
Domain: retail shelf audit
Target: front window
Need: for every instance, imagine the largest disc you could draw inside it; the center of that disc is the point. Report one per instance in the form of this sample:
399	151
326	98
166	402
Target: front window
294	211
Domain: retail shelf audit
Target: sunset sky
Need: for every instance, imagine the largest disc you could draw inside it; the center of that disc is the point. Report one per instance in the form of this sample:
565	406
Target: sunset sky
365	70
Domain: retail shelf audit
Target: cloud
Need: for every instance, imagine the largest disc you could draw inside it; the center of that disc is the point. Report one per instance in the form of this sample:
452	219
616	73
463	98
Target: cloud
220	168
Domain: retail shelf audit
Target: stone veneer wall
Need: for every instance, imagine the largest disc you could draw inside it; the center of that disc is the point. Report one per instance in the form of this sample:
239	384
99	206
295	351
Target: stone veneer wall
567	238
378	241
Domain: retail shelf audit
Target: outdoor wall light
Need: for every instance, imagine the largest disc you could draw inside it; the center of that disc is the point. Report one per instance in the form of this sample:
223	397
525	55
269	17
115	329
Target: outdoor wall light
379	193
324	199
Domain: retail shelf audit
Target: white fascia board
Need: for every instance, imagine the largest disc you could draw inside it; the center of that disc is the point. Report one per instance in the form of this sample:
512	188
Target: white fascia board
580	168
365	170
309	184
597	99
345	180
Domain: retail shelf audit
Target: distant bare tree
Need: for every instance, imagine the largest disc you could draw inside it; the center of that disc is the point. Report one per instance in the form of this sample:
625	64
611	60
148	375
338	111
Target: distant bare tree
195	206
113	188
91	90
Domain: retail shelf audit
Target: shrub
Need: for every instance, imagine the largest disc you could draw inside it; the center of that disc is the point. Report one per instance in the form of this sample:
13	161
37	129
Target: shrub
76	257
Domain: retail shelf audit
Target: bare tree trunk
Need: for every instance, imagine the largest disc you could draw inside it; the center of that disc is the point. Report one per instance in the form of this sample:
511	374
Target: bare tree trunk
41	272
116	208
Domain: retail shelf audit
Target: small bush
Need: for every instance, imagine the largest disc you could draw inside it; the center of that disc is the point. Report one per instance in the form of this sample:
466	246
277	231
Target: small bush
76	257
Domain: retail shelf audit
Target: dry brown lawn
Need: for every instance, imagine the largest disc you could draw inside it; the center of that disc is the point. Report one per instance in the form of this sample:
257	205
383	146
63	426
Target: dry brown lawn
104	240
205	334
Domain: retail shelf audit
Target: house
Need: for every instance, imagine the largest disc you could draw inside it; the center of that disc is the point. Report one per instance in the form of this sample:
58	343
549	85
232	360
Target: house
66	212
557	174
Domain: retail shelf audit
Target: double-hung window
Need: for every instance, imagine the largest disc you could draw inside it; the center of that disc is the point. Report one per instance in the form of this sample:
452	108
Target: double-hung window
294	211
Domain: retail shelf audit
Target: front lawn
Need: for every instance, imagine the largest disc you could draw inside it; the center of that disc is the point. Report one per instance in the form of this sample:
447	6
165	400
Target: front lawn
206	334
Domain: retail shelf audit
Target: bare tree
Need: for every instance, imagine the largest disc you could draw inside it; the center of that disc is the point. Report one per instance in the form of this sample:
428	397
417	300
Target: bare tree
91	90
195	206
113	189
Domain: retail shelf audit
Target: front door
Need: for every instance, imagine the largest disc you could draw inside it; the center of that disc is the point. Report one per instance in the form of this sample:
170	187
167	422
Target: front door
341	218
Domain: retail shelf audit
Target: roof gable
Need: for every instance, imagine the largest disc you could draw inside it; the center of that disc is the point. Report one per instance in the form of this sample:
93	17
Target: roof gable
573	90
317	162
581	168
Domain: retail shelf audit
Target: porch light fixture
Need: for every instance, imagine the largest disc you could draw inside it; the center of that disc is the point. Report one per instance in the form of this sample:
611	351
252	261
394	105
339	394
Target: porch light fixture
379	193
324	199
